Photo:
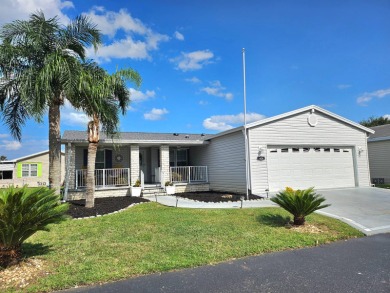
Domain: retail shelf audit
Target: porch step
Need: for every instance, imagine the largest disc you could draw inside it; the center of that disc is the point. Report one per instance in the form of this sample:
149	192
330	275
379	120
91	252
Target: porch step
153	190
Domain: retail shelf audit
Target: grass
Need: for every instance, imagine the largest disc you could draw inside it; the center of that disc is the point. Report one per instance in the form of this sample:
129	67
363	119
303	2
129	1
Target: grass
387	186
152	238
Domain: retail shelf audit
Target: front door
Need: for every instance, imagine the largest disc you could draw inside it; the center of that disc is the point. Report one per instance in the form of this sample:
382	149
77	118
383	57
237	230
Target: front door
143	163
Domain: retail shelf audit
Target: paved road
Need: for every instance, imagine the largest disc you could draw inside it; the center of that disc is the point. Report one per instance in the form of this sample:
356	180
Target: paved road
356	265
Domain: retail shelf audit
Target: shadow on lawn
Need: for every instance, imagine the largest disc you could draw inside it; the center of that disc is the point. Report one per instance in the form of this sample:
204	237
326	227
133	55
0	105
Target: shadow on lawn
273	220
34	249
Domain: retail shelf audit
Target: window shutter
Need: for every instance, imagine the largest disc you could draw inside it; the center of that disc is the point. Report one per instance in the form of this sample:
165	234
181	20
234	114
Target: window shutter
108	157
85	157
19	170
39	169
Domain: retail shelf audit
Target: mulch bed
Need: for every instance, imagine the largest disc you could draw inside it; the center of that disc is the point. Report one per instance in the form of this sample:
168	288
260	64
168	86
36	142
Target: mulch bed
103	206
212	196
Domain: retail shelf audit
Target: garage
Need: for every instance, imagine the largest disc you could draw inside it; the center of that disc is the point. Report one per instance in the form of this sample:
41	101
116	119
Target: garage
301	167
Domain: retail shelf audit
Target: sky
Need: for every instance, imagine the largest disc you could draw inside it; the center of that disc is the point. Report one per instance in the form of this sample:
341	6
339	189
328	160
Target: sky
334	54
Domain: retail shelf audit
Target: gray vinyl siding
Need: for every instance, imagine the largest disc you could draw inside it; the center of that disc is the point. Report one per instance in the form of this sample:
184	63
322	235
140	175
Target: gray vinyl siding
379	157
225	158
295	130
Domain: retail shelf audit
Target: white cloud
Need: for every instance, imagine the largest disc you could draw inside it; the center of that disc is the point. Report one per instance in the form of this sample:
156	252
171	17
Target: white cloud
21	9
137	43
138	96
203	103
73	117
387	116
216	89
179	36
156	114
193	80
343	86
10	145
193	60
226	122
366	97
3	135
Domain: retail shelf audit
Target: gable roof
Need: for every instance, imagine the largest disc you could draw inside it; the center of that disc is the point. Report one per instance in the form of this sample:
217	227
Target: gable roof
28	156
140	137
298	111
382	132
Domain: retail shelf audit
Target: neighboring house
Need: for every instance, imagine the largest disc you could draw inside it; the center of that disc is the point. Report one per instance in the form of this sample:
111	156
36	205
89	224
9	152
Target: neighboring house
306	147
32	170
379	154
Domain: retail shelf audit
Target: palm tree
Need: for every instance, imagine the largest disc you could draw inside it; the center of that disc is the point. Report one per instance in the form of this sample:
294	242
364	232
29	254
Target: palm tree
40	65
103	96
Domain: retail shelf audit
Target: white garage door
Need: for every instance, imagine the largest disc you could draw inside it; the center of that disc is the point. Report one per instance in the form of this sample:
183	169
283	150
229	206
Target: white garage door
303	167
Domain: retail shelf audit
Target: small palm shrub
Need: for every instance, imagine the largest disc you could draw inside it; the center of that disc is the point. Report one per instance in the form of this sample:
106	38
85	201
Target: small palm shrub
299	203
22	213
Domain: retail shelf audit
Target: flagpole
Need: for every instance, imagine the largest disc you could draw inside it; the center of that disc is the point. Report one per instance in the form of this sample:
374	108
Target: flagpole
245	131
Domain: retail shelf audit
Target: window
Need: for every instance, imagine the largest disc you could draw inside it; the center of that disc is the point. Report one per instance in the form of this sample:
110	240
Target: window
30	170
6	175
273	151
305	150
345	151
336	150
284	150
326	150
295	150
178	157
99	163
317	149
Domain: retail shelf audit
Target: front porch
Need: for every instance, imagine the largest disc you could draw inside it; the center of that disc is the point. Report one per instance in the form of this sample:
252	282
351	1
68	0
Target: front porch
120	177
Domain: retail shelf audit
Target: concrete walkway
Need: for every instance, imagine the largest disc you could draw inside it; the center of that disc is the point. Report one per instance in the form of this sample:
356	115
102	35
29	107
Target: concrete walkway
169	200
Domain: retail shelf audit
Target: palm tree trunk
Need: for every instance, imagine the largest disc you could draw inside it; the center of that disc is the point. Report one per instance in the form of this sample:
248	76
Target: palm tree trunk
10	255
93	141
90	192
54	147
299	220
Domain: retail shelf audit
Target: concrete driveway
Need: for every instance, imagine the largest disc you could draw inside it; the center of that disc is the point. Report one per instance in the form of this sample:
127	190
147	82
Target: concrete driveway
367	209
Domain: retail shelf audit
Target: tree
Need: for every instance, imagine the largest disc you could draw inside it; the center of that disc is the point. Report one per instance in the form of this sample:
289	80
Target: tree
103	96
375	121
3	158
40	66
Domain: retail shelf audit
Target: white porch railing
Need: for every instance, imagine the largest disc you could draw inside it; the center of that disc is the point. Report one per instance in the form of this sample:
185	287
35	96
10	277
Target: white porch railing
104	177
190	174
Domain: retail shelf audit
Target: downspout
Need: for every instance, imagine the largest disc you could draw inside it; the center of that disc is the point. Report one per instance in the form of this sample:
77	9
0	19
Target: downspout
69	147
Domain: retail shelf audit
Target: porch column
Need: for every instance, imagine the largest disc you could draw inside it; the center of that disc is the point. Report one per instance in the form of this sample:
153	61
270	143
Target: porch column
71	168
134	164
164	163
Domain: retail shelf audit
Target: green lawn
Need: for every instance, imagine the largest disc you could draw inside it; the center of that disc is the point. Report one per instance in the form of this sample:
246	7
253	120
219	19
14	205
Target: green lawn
153	238
387	186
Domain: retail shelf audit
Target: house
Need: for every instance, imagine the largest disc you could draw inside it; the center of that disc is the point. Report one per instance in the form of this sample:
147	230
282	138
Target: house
32	170
302	148
379	154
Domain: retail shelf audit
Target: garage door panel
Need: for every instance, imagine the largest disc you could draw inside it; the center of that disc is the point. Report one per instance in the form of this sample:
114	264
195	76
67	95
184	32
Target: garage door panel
303	167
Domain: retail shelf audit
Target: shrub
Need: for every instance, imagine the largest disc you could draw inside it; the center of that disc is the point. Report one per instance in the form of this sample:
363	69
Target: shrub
300	203
168	183
137	183
22	213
